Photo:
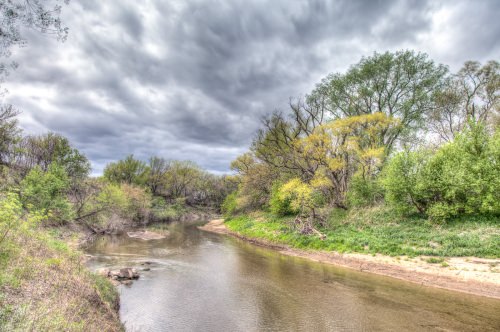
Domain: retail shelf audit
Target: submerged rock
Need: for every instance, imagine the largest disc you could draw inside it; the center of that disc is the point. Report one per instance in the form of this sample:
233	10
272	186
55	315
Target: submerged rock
121	276
125	273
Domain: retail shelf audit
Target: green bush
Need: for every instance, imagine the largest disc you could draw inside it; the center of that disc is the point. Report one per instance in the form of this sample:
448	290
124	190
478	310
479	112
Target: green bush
364	192
10	214
403	183
46	192
230	205
461	177
279	205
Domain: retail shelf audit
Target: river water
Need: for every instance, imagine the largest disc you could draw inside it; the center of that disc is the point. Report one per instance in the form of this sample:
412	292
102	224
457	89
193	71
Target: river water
200	281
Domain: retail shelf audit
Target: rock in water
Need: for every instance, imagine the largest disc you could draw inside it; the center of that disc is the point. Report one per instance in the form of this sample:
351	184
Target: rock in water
128	273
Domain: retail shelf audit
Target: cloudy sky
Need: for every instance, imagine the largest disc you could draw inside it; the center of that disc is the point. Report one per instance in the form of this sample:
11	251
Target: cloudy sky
192	79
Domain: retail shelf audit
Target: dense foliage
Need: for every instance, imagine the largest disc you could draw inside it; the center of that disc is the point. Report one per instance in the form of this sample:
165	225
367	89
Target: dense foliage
461	177
51	178
395	129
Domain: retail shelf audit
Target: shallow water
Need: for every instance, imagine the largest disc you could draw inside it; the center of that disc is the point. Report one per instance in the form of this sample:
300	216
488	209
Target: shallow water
201	281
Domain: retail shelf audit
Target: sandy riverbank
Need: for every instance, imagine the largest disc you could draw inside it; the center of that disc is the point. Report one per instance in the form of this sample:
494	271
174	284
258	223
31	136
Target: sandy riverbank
471	275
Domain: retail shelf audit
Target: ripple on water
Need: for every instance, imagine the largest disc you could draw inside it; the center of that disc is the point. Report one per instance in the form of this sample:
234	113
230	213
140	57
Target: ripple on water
205	282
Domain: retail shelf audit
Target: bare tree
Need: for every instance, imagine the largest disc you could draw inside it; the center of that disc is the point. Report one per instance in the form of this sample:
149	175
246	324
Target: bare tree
470	95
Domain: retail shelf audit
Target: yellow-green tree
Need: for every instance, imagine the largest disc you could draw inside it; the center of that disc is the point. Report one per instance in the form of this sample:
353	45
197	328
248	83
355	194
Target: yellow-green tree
344	147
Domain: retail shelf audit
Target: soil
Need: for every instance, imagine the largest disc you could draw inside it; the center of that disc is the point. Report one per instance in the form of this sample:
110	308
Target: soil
471	275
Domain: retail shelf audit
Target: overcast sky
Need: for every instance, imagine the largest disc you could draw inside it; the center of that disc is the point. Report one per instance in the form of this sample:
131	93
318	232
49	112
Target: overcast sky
192	79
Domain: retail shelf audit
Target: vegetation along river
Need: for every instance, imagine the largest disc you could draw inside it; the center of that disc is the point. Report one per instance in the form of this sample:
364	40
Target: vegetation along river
200	281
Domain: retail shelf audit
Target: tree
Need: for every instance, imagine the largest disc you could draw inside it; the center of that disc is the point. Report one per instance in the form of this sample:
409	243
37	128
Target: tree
461	177
129	170
400	85
9	133
157	168
256	179
46	191
33	14
305	199
274	144
44	150
340	148
473	94
180	177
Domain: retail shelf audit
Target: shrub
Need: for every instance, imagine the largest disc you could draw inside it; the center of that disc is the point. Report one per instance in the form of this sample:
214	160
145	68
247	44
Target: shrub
279	205
230	205
461	177
138	202
126	201
46	192
402	181
364	192
10	214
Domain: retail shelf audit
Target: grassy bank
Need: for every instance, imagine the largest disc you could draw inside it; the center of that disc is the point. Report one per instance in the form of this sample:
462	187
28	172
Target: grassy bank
379	230
44	286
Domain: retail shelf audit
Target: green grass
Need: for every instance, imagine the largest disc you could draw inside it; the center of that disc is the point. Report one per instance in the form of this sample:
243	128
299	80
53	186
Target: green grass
434	260
380	230
44	286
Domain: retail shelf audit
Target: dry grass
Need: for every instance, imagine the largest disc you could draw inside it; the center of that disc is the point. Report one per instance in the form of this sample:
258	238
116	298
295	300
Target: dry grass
44	286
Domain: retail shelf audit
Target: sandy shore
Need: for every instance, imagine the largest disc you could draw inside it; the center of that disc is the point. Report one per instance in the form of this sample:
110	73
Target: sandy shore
471	275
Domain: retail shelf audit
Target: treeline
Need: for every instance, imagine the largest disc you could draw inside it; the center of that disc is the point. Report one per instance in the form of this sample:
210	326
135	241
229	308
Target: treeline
47	177
395	129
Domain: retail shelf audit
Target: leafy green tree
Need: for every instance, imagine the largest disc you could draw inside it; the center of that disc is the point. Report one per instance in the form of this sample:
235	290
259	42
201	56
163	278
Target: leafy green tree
461	177
400	85
128	170
180	179
403	181
47	192
255	181
47	149
344	147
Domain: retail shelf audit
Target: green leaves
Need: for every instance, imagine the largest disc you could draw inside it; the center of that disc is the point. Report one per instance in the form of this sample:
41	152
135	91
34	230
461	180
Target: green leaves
46	192
462	177
129	170
10	214
399	84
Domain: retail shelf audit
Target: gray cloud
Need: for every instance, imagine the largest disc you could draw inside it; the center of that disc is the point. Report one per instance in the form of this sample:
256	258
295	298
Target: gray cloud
192	80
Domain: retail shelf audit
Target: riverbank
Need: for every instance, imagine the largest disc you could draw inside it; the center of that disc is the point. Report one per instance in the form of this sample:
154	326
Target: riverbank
476	276
45	285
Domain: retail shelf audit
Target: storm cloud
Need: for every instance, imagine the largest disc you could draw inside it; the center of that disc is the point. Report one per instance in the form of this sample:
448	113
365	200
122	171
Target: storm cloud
191	80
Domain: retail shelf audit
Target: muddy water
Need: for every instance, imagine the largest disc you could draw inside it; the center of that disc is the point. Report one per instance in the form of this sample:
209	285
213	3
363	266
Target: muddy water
208	282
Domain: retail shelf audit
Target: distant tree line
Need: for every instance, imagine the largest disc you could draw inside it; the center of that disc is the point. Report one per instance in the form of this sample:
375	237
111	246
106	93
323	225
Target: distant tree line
51	178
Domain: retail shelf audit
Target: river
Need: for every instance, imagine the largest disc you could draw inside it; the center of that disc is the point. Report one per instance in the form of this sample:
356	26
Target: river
199	281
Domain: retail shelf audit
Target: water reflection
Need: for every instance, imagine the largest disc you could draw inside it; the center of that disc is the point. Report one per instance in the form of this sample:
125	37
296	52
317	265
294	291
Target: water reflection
205	282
